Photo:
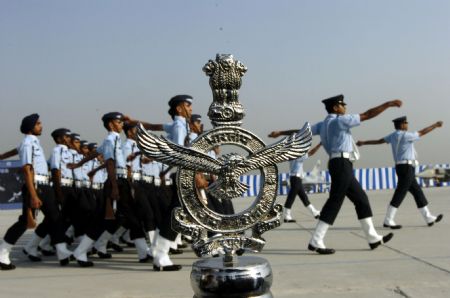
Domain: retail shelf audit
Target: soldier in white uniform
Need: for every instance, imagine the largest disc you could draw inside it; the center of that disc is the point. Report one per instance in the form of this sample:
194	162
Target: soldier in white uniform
405	157
37	194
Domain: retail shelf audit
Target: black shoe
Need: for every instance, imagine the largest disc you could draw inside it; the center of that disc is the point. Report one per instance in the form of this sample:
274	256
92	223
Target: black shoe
128	243
4	266
115	247
321	251
147	259
68	240
64	262
167	268
47	253
85	264
384	240
31	257
438	219
240	251
175	251
102	255
317	216
394	227
290	220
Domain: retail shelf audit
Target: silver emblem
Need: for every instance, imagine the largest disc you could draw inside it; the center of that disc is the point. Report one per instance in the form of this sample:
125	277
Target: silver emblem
226	113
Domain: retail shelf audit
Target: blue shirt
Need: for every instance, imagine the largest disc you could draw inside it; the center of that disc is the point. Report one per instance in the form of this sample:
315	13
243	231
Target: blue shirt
179	130
129	148
152	168
59	159
31	153
335	132
77	172
101	175
111	148
296	166
192	136
402	144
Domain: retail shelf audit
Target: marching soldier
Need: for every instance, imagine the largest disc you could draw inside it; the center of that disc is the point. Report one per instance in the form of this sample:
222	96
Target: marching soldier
296	174
37	194
337	140
117	192
178	132
145	212
405	157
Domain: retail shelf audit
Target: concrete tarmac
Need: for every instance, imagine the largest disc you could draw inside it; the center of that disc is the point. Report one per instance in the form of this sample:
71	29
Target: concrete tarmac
415	263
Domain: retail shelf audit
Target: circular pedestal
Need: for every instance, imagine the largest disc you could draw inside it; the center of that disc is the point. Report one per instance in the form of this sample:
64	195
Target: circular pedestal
247	277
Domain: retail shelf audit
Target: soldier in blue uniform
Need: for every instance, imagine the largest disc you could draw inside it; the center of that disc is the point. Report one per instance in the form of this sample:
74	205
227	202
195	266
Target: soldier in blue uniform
338	142
178	132
117	192
145	212
37	194
405	157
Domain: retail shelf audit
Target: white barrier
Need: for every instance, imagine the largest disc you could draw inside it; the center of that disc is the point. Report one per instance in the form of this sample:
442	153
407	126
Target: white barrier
370	179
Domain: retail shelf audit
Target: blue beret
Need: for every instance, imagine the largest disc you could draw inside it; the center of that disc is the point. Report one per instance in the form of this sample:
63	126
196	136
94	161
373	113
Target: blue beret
177	99
92	146
75	136
196	117
112	116
400	119
331	101
28	123
60	132
84	143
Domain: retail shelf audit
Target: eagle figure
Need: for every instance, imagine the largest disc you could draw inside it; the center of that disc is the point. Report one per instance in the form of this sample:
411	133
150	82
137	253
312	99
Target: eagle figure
229	167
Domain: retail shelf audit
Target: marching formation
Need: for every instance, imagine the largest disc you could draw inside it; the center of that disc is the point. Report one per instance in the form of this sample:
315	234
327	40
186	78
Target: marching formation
94	196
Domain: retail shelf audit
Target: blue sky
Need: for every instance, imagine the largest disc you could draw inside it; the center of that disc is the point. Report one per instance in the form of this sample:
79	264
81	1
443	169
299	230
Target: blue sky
72	61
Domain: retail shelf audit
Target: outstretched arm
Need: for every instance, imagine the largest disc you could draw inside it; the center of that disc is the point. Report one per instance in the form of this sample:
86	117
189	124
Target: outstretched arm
314	150
369	114
277	133
371	142
148	126
9	154
89	157
430	128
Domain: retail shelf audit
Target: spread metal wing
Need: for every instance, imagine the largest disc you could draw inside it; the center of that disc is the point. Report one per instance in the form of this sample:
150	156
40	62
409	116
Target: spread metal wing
167	152
291	147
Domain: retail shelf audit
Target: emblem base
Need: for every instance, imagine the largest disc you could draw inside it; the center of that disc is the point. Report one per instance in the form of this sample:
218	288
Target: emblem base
244	277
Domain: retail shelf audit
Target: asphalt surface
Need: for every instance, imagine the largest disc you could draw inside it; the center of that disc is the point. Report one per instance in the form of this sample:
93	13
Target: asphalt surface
415	263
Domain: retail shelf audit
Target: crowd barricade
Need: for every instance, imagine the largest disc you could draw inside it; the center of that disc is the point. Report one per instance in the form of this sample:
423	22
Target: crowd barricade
369	178
11	181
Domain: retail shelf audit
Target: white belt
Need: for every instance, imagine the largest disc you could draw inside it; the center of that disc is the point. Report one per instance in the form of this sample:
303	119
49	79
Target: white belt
136	176
168	181
121	173
86	183
346	155
407	162
97	185
157	181
78	184
148	179
299	175
66	182
41	179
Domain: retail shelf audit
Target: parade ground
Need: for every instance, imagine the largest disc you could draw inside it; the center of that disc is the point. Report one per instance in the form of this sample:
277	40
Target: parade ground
415	263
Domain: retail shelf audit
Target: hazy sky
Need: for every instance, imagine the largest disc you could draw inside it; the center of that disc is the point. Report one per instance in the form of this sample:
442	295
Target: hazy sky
72	61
